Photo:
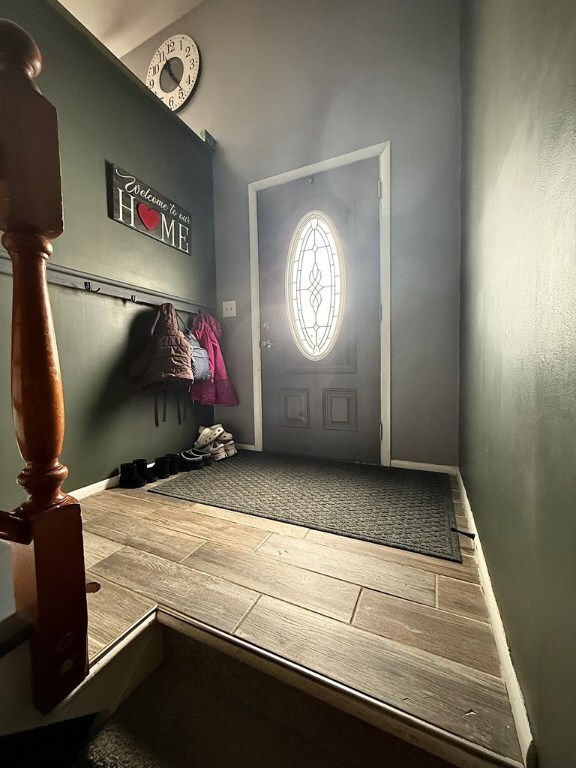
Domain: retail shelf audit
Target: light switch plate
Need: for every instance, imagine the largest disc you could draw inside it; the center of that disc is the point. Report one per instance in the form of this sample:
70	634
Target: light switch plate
229	309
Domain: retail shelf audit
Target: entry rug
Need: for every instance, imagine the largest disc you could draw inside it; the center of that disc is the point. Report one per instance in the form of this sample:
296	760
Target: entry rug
401	508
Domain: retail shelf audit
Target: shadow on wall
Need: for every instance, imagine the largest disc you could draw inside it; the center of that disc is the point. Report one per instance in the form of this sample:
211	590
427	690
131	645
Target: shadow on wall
117	387
121	417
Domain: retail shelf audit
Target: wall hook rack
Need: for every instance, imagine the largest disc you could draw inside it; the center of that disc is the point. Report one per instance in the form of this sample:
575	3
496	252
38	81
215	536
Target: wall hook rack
86	282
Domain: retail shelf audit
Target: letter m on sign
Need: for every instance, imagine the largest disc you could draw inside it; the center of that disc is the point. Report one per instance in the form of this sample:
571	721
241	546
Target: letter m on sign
167	230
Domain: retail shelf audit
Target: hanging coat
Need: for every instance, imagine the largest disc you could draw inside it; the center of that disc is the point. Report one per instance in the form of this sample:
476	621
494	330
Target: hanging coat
218	390
166	362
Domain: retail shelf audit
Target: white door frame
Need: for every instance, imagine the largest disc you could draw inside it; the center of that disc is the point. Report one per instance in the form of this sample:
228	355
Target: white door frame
381	151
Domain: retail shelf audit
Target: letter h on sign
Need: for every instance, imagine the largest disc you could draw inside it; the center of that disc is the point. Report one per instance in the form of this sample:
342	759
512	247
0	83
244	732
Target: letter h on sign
123	207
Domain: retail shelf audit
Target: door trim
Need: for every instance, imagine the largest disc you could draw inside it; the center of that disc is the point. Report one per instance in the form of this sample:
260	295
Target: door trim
381	151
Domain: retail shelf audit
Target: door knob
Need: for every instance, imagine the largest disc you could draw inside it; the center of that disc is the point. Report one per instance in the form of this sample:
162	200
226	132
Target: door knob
267	343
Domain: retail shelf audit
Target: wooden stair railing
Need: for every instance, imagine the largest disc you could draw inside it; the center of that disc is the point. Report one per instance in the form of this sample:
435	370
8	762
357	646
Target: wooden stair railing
46	530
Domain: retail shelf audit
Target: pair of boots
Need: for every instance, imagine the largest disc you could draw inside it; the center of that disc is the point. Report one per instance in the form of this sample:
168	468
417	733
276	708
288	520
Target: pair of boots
135	474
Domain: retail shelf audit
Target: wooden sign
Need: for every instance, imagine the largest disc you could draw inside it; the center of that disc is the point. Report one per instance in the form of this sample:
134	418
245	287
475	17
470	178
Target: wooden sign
138	206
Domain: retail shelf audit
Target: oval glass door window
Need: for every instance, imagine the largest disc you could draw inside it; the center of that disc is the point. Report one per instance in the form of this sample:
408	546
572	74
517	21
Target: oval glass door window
315	283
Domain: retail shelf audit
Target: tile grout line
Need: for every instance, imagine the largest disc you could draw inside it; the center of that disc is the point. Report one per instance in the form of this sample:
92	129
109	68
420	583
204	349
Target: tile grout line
257	547
355	609
179	562
248	612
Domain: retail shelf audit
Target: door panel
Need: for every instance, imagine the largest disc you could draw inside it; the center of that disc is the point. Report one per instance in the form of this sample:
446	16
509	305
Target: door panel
328	407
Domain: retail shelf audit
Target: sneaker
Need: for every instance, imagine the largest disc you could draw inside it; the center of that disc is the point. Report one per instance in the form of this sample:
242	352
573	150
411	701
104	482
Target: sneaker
230	448
204	454
217	451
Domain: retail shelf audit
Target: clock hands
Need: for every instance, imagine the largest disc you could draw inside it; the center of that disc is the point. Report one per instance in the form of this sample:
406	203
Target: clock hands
168	67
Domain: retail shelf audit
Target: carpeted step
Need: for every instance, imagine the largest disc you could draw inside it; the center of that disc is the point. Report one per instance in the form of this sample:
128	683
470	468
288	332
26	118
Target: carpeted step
203	709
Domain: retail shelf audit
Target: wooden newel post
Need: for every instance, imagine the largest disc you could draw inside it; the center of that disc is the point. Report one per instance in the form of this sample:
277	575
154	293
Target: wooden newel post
46	530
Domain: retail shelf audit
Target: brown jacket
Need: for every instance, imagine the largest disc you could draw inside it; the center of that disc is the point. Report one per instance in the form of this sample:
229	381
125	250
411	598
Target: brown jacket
166	361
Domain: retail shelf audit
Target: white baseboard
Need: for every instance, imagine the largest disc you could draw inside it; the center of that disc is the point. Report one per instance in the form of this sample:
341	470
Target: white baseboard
517	704
447	469
101	485
246	447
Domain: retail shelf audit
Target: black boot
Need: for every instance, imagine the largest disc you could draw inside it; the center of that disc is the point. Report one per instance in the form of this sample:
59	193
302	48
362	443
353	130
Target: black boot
129	477
142	468
173	463
161	467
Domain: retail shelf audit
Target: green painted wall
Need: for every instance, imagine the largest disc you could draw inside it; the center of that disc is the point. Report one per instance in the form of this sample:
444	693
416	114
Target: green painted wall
105	114
518	412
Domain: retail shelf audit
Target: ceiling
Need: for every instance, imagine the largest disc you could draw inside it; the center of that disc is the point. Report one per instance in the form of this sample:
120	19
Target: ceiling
122	25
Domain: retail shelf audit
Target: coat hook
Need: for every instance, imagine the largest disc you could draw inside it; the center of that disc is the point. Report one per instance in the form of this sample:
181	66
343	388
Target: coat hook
88	287
133	298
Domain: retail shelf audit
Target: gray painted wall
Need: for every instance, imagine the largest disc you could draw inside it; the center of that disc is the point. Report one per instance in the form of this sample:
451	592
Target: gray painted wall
519	342
105	114
285	84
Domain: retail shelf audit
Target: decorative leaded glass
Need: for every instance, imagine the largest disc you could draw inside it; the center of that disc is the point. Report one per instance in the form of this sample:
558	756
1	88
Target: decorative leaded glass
315	285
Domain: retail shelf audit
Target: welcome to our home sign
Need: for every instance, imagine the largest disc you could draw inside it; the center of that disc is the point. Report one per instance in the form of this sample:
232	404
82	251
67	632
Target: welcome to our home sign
138	206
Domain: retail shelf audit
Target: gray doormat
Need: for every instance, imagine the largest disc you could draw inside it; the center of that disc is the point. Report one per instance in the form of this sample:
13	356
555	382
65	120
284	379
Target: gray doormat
401	508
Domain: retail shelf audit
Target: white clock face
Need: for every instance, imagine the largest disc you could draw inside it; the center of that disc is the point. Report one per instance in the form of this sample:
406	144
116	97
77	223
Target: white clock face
173	71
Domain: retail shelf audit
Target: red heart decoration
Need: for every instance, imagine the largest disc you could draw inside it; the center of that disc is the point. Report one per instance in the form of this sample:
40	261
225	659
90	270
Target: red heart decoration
148	216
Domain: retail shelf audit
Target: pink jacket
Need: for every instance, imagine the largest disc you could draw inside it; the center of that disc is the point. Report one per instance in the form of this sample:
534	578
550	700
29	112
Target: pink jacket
219	389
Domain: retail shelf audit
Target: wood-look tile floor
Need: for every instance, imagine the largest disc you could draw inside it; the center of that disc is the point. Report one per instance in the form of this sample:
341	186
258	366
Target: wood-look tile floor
405	629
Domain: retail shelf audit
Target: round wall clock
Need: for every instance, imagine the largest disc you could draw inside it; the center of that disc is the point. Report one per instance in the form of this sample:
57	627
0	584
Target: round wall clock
174	70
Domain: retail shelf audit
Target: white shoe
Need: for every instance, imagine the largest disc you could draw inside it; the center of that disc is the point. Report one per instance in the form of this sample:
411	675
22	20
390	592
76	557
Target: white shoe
217	451
224	436
230	448
209	435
